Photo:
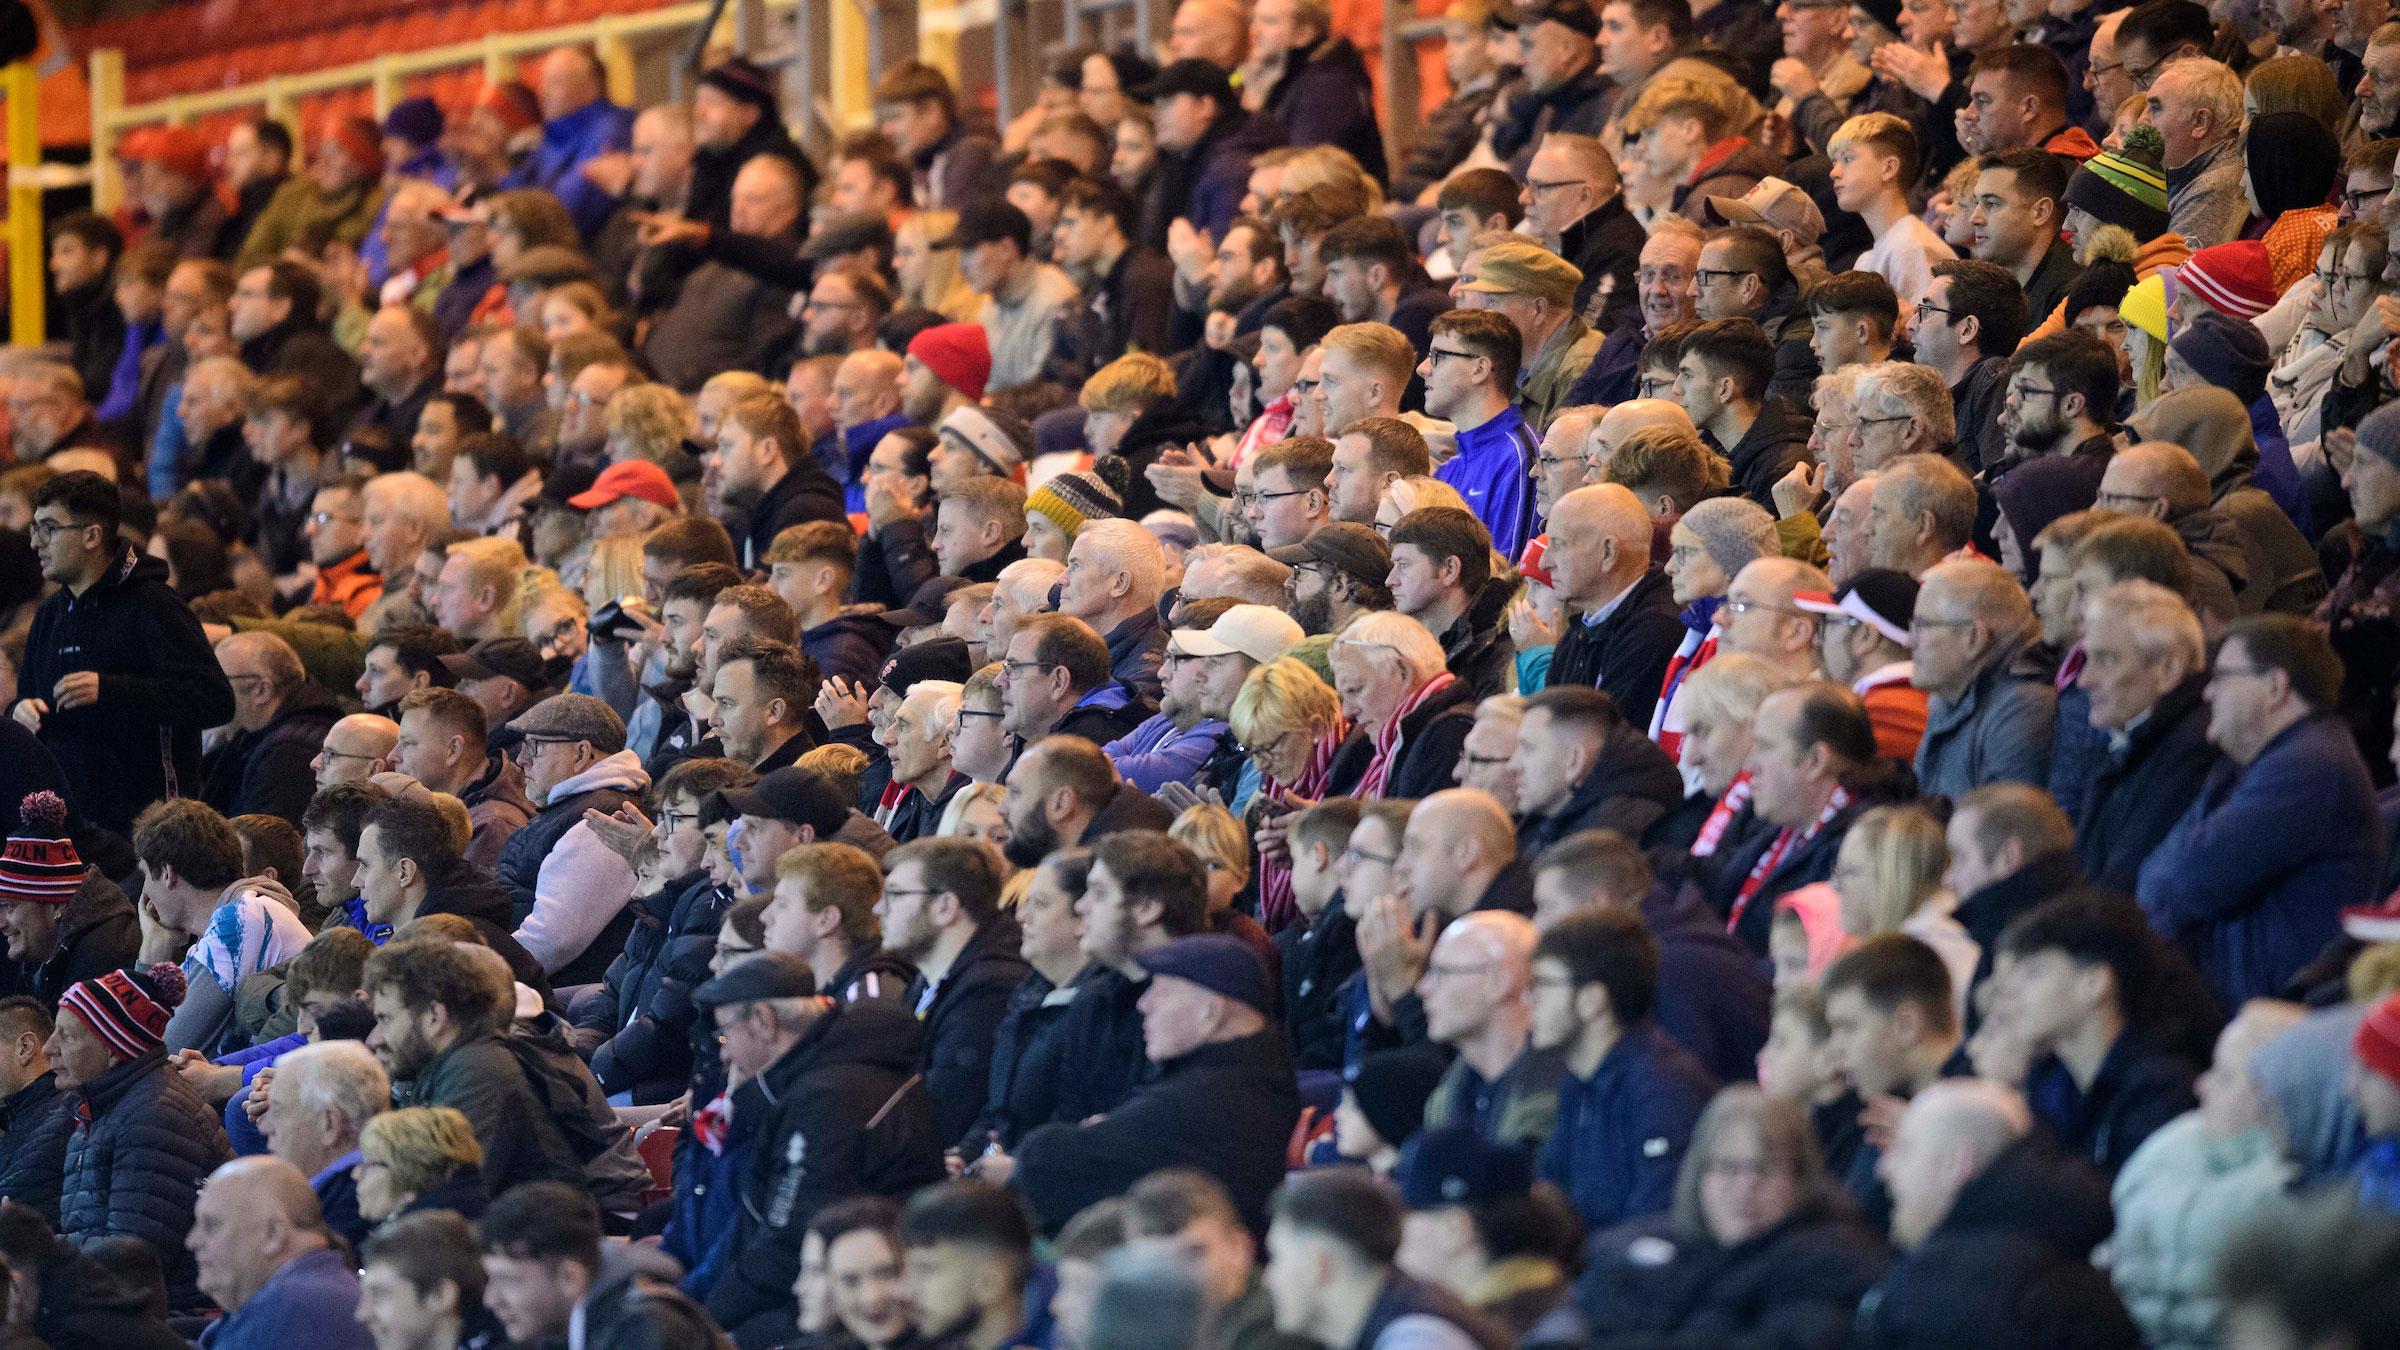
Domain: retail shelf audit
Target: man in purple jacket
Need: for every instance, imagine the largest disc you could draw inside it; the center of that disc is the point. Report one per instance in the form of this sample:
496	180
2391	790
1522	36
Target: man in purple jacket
579	126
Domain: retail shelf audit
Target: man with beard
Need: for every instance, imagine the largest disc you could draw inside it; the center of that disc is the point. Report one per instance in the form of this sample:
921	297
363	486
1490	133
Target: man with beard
844	304
439	1035
2060	398
762	455
1338	573
1180	738
1144	890
1063	792
1368	458
2377	101
1023	296
941	913
970	1251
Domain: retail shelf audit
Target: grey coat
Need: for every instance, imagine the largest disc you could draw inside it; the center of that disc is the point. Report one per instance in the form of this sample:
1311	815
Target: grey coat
1998	731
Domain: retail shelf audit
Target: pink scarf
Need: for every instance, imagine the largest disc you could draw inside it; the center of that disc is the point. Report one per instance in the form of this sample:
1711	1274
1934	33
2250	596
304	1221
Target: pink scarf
1387	741
1276	907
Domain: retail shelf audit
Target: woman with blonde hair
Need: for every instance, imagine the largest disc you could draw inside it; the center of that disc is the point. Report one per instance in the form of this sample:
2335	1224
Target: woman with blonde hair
1414	494
1887	878
1290	724
647	421
419	1157
929	276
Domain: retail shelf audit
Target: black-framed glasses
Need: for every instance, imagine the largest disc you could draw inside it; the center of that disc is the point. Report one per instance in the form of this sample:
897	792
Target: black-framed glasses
1545	461
1010	668
1537	186
668	819
1471	757
1879	421
1925	307
43	531
1254	751
2143	76
330	753
2034	391
2099	71
1702	274
1434	355
2356	201
2123	501
1278	496
1654	388
532	745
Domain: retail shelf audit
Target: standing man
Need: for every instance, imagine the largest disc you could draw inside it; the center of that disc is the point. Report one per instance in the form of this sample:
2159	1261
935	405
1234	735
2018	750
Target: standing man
1470	371
118	679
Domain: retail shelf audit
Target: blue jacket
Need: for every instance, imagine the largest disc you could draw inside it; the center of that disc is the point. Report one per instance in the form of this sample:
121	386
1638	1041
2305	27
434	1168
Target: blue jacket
1620	1135
1493	470
310	1301
569	143
2254	888
2379	1176
1155	754
2276	475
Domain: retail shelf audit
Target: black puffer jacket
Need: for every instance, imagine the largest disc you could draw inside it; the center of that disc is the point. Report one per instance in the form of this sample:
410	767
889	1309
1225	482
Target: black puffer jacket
160	687
1794	1285
1028	1052
82	1308
1629	786
645	1005
841	1114
97	933
142	1143
2011	1266
2138	793
33	1145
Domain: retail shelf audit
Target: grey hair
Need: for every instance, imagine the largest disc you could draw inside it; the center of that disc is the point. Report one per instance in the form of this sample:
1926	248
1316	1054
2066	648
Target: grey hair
344	1076
2212	86
1028	581
1390	637
1902	389
1124	546
2157	619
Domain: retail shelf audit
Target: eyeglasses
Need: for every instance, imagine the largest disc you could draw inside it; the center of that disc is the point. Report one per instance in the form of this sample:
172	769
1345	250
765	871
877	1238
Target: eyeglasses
1741	607
533	745
1472	758
1303	388
1879	421
1661	276
1010	668
1925	307
1922	622
818	306
1546	461
1654	388
2144	75
1278	496
321	519
1434	355
1703	274
2099	70
2355	200
2025	391
1255	751
2123	501
44	531
1537	186
668	819
330	753
1357	854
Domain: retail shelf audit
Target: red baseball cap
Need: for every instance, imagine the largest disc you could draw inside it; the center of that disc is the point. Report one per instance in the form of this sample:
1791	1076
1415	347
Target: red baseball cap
633	478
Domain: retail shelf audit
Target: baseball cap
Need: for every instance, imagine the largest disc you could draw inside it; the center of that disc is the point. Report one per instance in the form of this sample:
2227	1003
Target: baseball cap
515	658
1879	597
801	796
941	658
988	222
1525	268
761	975
927	605
633	478
1775	204
1189	76
1255	631
1220	964
1572	14
1457	1166
579	717
563	484
1352	549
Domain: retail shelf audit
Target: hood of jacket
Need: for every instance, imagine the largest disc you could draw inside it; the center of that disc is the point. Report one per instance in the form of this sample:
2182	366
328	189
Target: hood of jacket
622	771
502	781
875	1035
97	901
2034	1189
456	886
2211	534
1629	765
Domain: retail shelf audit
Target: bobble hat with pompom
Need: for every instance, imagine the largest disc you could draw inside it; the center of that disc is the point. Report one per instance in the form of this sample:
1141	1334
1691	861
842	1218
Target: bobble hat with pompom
129	1009
39	863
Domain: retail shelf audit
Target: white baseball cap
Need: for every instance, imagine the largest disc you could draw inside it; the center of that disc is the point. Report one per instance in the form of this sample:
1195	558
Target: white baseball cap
1260	633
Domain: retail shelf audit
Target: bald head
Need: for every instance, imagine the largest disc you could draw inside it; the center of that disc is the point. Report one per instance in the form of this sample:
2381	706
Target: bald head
1457	840
1976	1115
2160	472
359	746
1625	419
1980	591
253	1217
1950	1133
271	1185
1493	937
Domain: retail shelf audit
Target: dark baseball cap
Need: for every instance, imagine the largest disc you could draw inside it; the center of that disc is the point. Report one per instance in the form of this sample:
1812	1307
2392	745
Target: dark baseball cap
1457	1166
1189	76
761	975
801	796
1570	14
1355	550
927	605
515	658
941	658
988	222
1220	964
563	483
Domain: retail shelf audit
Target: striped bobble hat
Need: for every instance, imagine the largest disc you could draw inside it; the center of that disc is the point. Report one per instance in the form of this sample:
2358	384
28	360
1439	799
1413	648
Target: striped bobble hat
1071	499
2234	278
38	863
2127	186
129	1009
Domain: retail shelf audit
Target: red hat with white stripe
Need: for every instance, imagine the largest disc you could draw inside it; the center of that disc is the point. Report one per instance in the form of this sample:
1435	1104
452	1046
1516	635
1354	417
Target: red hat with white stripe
129	1009
38	864
2236	278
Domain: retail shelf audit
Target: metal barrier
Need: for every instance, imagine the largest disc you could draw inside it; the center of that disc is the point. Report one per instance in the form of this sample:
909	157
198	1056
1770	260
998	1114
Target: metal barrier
26	255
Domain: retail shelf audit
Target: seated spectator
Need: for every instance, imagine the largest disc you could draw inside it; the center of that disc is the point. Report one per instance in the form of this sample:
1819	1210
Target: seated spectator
61	1289
1626	634
422	1158
409	866
1055	680
564	886
265	1256
730	312
321	1097
191	859
1580	767
144	1140
1470	371
421	1286
1798	1258
61	919
1473	1214
811	566
1864	639
542	1263
1975	1255
281	720
1991	710
34	1110
1027	1066
762	460
2011	848
1924	515
2144	671
1630	1096
2254	911
443	733
1223	1099
1413	714
979	529
1331	1270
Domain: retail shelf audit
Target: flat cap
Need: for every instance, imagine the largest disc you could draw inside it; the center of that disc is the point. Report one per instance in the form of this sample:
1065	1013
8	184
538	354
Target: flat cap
1220	964
578	717
761	975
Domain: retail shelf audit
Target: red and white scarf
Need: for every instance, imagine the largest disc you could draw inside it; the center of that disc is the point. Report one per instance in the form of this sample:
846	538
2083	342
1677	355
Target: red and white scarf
1387	741
1785	839
1712	830
1271	425
1695	652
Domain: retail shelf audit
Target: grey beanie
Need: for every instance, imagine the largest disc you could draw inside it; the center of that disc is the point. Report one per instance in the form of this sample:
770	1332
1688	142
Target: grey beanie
1736	531
2379	434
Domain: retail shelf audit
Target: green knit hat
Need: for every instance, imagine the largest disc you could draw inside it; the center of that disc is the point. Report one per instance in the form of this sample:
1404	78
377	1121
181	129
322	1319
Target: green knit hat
2128	186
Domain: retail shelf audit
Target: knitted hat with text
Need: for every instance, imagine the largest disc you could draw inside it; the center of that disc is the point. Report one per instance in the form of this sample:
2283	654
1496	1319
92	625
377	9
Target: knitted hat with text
39	862
129	1009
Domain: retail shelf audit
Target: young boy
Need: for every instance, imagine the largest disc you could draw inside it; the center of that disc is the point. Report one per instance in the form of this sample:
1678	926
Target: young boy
2375	1088
1874	161
810	566
1321	950
1796	1064
1852	319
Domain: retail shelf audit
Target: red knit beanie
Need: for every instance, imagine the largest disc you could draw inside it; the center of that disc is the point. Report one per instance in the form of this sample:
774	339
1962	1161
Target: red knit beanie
360	139
957	352
2377	1044
127	1009
2236	278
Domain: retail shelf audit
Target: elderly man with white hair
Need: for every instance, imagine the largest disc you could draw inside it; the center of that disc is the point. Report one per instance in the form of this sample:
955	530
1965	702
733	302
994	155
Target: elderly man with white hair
1022	589
49	412
1992	708
1960	1155
1116	571
2145	669
1233	572
916	737
318	1102
1901	408
2196	104
404	512
1411	713
1618	627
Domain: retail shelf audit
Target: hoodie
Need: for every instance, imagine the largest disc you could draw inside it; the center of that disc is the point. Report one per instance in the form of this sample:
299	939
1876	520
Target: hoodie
852	645
160	686
497	807
581	885
468	890
1629	786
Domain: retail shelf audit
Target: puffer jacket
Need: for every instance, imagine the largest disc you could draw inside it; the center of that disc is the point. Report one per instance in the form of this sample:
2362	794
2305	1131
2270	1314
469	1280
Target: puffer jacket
1629	786
2177	1199
568	891
142	1143
1795	1285
645	1005
33	1145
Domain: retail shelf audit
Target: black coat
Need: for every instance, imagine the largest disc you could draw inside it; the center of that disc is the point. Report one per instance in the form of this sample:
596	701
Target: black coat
1161	427
1713	996
1628	788
804	493
1227	1109
2139	792
2009	1267
1477	644
82	1307
1624	656
2139	1088
460	887
1028	1063
143	1142
160	687
1722	875
630	1309
34	1122
1606	246
1794	1285
301	346
97	933
960	1021
88	321
1317	958
644	1006
266	772
841	1114
710	197
1431	739
1987	913
1768	450
1325	98
1101	1036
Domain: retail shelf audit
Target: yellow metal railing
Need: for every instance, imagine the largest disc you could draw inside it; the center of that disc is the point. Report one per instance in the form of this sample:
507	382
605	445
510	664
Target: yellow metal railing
25	250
